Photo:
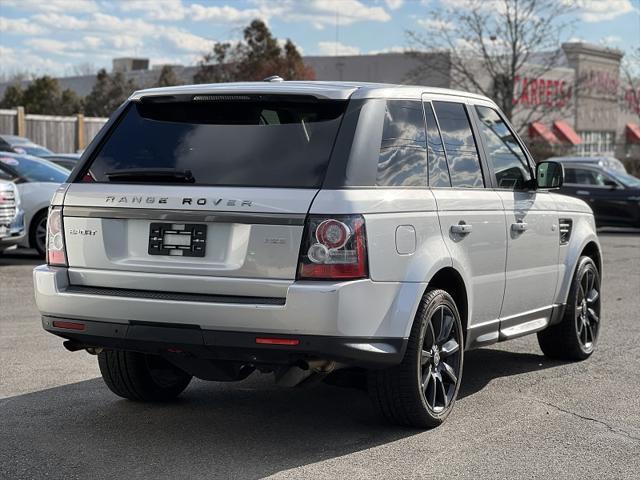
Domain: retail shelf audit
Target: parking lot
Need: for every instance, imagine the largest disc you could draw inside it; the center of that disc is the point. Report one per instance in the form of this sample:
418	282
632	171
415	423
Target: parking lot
519	415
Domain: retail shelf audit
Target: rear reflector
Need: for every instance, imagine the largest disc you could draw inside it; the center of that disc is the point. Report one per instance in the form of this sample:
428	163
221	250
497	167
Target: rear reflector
69	325
277	341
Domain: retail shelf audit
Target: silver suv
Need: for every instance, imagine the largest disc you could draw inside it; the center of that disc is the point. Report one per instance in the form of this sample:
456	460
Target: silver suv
308	229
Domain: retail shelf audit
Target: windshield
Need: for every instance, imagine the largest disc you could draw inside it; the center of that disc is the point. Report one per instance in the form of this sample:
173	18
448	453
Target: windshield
253	142
33	169
625	178
34	150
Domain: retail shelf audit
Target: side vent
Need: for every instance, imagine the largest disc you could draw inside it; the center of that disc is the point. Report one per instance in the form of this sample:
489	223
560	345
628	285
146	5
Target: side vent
566	224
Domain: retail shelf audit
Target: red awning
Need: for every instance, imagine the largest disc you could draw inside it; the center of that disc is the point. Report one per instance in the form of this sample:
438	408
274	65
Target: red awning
633	132
537	129
566	133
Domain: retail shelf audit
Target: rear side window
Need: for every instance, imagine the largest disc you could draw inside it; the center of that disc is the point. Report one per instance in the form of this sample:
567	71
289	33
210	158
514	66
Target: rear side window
250	141
459	144
509	162
438	170
403	147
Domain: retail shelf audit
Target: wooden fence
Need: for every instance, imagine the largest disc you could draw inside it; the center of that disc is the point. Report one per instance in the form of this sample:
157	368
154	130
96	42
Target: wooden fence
57	133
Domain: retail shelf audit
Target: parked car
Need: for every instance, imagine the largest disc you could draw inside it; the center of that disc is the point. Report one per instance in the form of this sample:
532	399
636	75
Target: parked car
65	160
610	163
299	228
614	196
25	146
11	215
36	180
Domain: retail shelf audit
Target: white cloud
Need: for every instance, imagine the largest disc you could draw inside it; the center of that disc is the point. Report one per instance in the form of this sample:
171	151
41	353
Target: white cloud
60	21
224	14
84	6
320	13
337	48
185	41
600	10
394	4
156	9
20	26
611	40
92	41
435	24
394	49
56	47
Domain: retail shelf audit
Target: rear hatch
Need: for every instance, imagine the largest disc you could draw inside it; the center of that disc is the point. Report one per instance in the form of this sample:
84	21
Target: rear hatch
205	194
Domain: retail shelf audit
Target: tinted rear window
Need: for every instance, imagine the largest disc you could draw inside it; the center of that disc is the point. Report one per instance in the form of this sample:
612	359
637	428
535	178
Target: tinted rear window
253	142
403	147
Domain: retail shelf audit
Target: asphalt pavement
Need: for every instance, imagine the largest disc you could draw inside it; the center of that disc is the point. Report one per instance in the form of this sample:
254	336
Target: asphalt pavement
519	414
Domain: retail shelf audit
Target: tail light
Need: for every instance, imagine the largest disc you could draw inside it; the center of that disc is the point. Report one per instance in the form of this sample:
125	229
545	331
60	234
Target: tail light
333	248
56	252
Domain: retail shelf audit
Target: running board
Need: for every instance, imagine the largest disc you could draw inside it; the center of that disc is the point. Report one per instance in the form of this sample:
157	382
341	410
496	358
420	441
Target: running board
524	324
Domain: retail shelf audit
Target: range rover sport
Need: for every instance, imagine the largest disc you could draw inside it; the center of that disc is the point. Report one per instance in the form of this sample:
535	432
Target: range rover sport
301	228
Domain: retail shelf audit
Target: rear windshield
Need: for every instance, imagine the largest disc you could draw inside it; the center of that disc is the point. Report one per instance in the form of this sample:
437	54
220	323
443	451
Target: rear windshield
248	142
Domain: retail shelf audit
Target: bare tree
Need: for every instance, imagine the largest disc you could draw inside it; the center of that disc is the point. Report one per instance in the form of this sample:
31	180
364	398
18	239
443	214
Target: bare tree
491	42
630	79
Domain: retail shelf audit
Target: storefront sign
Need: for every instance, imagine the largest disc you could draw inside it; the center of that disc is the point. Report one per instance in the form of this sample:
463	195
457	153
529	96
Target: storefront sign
531	92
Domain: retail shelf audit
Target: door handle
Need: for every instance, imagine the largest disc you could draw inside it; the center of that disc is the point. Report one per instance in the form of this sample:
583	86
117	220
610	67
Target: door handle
582	192
461	228
519	227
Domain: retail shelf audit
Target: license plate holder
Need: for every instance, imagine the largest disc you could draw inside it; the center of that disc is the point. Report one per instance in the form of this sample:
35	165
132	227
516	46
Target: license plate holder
178	239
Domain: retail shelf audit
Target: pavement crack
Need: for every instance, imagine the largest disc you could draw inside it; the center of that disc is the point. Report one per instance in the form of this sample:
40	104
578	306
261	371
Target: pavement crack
612	429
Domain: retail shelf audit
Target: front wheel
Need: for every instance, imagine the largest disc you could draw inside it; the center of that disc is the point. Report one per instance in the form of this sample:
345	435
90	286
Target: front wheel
143	377
575	337
421	391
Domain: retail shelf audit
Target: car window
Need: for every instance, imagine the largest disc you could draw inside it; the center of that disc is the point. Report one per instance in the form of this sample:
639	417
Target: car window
437	160
403	147
584	176
509	162
253	142
459	145
35	170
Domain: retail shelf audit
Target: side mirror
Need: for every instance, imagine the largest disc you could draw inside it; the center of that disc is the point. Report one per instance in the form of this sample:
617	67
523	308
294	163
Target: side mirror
549	175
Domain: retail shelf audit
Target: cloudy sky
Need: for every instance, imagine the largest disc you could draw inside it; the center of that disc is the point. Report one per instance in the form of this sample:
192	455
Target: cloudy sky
58	36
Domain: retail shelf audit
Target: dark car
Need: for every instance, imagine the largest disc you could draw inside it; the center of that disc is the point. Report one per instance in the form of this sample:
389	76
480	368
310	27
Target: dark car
66	160
24	146
614	196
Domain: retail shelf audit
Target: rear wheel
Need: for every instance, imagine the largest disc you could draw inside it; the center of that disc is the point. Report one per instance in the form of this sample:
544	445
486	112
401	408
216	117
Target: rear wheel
139	376
421	391
575	337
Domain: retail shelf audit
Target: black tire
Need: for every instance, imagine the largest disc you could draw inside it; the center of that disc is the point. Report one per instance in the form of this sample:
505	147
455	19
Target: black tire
35	233
408	394
576	336
142	377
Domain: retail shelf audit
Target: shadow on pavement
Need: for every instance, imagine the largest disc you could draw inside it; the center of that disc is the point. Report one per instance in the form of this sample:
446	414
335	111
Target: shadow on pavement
486	364
249	429
20	257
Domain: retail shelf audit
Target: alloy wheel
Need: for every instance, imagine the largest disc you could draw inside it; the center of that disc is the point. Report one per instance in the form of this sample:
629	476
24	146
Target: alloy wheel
41	235
588	310
440	360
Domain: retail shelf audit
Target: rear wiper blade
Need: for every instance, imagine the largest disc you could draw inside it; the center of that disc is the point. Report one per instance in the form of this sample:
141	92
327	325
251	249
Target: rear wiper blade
151	175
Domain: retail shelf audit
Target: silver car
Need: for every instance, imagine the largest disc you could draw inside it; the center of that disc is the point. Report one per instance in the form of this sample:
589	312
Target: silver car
304	228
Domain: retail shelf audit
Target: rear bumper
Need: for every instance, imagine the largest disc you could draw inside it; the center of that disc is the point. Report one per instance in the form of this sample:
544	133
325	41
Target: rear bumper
228	346
356	317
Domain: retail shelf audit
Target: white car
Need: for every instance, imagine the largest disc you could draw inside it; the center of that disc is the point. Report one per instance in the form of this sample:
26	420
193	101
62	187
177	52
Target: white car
36	180
11	216
297	228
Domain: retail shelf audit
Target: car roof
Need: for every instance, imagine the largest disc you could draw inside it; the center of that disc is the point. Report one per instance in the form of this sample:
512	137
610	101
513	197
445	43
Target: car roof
583	159
324	90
